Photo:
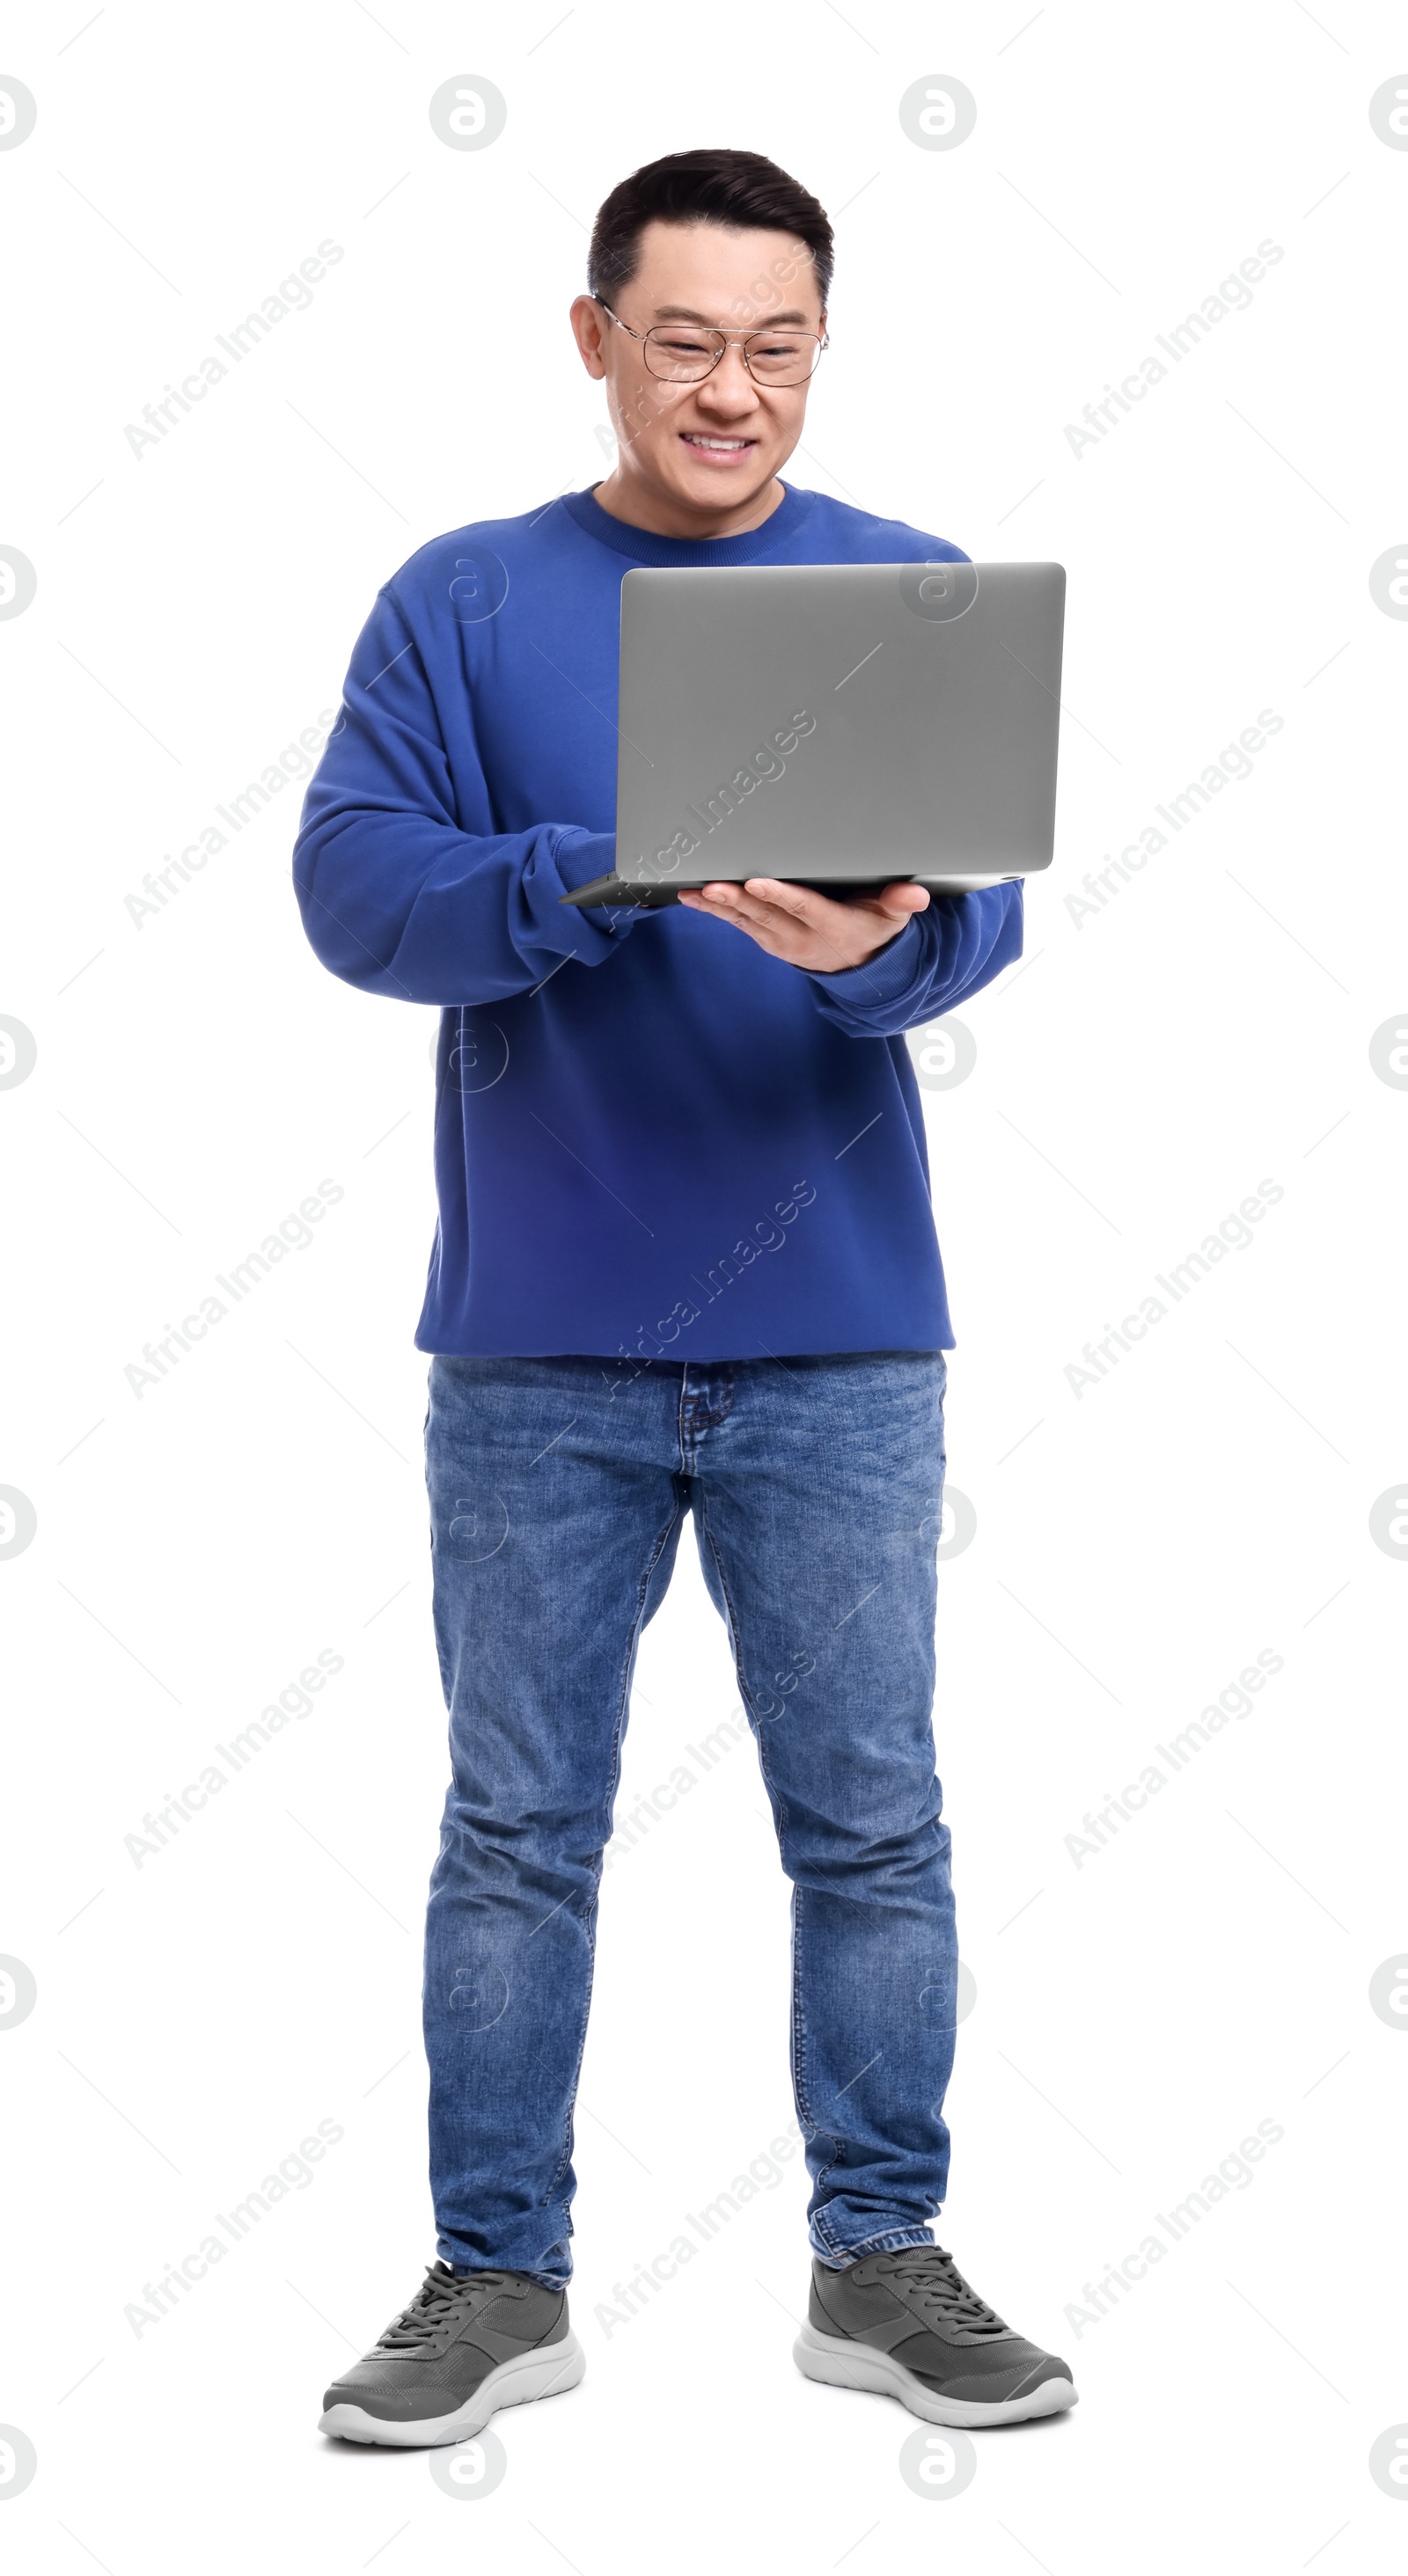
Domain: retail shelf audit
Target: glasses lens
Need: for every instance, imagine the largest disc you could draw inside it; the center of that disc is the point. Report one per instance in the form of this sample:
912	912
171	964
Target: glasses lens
680	355
783	357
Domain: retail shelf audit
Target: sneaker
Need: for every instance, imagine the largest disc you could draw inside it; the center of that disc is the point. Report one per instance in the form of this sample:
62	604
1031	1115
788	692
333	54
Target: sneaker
908	2326
465	2346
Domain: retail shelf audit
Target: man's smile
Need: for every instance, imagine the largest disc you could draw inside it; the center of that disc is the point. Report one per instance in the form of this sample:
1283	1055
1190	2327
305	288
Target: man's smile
725	449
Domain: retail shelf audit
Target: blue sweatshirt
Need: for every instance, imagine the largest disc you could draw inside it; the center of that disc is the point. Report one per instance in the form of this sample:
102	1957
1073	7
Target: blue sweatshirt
651	1138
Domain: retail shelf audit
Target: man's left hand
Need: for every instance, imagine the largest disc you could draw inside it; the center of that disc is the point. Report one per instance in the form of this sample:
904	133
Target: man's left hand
806	929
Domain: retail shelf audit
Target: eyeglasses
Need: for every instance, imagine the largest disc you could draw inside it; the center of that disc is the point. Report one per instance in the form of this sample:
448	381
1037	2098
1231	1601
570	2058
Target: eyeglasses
682	353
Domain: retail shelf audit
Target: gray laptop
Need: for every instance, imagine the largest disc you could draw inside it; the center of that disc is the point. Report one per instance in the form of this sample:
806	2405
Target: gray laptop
839	725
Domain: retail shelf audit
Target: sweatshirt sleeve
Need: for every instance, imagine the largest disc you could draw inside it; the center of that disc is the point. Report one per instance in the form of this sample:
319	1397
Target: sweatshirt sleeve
960	943
397	896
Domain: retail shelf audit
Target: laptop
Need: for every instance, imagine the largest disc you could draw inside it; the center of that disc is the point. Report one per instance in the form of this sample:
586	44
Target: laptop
839	725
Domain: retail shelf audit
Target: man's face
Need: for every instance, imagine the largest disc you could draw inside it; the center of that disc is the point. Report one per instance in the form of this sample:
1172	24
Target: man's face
714	445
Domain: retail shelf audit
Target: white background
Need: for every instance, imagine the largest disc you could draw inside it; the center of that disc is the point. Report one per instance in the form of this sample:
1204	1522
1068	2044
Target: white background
1137	1075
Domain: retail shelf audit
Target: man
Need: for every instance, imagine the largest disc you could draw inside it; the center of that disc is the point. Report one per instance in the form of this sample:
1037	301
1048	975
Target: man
685	1263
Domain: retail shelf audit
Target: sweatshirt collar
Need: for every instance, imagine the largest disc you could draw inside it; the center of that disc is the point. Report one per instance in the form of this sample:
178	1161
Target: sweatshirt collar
641	546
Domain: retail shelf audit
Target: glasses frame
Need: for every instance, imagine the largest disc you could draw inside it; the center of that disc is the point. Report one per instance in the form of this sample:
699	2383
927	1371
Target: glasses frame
822	339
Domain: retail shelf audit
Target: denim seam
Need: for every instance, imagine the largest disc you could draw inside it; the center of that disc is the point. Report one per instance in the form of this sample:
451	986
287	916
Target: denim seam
799	2020
702	1509
565	2159
799	2061
589	1919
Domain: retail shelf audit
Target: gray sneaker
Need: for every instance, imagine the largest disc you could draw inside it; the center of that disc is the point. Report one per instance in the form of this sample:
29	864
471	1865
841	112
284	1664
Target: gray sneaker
908	2326
463	2348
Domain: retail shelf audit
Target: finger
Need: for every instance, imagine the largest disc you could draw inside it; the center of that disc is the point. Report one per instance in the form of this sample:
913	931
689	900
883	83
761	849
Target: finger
723	902
798	901
821	915
808	932
830	926
733	903
719	900
797	914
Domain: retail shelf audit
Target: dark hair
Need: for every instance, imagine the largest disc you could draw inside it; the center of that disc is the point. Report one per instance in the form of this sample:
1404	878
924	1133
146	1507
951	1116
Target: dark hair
740	189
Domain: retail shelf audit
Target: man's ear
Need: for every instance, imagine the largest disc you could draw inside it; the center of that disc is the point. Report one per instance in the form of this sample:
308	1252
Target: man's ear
585	318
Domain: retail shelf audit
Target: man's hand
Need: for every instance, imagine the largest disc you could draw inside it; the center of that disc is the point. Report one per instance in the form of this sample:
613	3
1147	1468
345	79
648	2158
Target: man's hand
806	929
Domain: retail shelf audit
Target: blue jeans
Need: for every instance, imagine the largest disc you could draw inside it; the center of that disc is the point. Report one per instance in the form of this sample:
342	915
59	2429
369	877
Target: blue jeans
557	1490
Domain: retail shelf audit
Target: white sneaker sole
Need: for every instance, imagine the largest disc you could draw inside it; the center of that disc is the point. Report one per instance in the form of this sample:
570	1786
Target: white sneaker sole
844	2364
546	2372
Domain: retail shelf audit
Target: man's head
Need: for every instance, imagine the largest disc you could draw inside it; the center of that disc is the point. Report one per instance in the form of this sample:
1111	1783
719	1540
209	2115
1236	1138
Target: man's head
700	244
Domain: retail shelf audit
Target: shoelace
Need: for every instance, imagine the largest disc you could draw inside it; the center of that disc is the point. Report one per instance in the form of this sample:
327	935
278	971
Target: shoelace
438	2303
937	2282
